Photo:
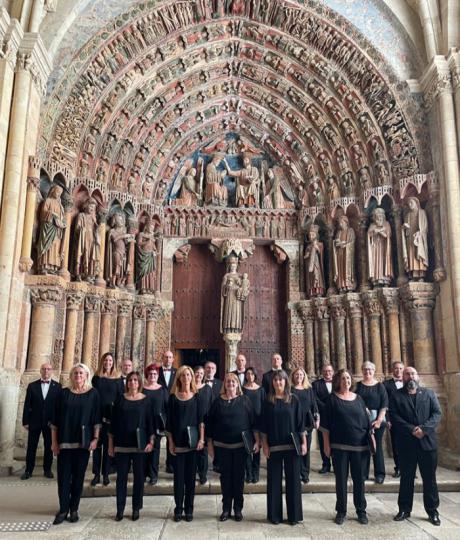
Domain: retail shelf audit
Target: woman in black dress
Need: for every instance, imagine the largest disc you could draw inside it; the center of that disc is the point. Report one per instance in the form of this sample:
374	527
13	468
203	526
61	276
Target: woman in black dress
158	397
108	383
281	423
185	431
256	395
205	395
231	417
345	426
74	433
375	398
130	438
302	388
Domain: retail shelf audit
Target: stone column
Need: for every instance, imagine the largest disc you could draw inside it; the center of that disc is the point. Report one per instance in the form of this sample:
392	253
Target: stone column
330	239
338	314
433	208
41	341
92	303
231	350
362	254
33	183
322	316
390	302
67	203
132	226
150	314
74	301
108	310
137	346
406	339
420	299
373	310
124	311
355	313
306	313
401	278
102	217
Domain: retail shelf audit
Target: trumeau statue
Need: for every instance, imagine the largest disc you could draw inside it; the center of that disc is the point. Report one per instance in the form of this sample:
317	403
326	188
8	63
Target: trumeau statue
146	258
234	292
51	233
415	240
117	267
247	186
379	249
314	264
343	251
216	193
87	244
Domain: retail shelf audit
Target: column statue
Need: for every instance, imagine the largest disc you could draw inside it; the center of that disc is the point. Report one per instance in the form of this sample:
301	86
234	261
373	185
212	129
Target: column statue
116	259
415	240
234	292
314	264
343	251
87	244
146	258
379	249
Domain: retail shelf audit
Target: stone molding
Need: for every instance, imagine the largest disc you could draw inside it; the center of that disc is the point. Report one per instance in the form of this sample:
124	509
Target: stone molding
33	57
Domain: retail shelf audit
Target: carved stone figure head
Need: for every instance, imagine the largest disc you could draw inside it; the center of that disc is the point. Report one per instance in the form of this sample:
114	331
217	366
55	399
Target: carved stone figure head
378	217
90	206
343	223
118	220
413	203
313	233
55	192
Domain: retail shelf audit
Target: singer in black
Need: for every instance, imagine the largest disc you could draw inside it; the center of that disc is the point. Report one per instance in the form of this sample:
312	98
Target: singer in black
205	395
346	426
375	398
231	415
277	364
158	397
185	431
323	388
38	410
391	386
257	396
166	378
75	432
130	438
415	414
301	387
108	383
281	423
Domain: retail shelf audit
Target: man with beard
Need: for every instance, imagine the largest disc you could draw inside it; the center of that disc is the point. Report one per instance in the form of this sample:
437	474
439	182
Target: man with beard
414	415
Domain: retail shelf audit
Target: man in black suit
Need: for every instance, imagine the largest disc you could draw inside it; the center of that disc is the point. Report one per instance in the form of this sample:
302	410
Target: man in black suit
322	389
211	380
414	414
38	410
126	369
277	364
240	370
393	385
166	379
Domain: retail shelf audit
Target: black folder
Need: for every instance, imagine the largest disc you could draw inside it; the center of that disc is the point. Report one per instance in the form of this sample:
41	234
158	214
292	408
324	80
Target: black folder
297	444
141	437
161	422
192	433
248	440
85	437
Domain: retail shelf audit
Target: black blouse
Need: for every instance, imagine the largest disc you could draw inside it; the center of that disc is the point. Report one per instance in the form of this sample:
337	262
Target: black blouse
375	397
347	422
257	398
278	420
308	404
132	424
75	418
158	400
181	414
229	418
110	391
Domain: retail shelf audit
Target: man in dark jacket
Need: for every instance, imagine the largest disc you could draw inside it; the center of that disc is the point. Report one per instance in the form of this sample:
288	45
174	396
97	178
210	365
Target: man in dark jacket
211	380
277	364
38	410
166	377
391	386
322	389
414	414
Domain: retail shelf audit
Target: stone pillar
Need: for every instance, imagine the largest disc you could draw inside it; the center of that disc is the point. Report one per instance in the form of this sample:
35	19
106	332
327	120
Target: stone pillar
137	346
355	313
390	302
108	310
33	183
406	339
338	314
401	278
102	217
91	318
373	310
362	254
150	314
306	313
41	341
420	299
322	316
67	203
74	302
124	311
231	350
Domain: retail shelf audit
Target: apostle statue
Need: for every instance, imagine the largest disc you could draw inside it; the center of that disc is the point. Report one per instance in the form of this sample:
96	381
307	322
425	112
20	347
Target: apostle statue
314	263
343	256
146	258
415	240
117	265
216	193
379	249
51	233
189	190
234	292
87	244
247	186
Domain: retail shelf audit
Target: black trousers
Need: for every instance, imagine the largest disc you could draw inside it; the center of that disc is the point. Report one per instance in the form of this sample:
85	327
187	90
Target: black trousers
343	461
202	463
291	462
101	458
305	460
184	481
152	460
232	469
32	442
71	468
427	461
378	458
124	461
253	466
326	461
169	457
394	449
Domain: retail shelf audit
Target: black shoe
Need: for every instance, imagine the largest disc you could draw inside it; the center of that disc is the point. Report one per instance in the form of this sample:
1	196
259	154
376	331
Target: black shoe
238	515
96	480
203	480
169	469
135	516
433	518
305	480
188	517
216	469
248	479
324	470
119	516
397	473
362	518
379	479
293	523
48	474
177	517
153	481
274	522
339	518
224	516
74	517
401	516
59	518
26	475
106	481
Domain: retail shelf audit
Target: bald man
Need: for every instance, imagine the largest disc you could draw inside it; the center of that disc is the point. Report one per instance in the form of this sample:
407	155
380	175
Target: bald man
38	409
277	364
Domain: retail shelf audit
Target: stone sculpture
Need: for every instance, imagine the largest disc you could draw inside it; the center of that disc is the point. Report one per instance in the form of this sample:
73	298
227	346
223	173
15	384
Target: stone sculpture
343	253
314	264
247	187
87	244
234	292
189	191
379	249
216	193
146	258
117	264
415	240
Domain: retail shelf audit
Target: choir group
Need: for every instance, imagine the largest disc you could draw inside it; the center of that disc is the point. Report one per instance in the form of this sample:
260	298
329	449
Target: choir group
122	417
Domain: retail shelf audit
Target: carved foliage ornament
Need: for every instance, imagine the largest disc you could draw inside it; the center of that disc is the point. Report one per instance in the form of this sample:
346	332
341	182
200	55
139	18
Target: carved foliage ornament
45	295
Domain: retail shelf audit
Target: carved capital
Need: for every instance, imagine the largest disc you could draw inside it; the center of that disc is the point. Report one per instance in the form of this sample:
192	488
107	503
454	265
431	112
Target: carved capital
34	58
321	309
306	311
92	304
154	312
74	300
337	307
372	304
390	300
124	309
420	296
32	184
108	306
454	64
436	81
11	35
139	311
45	295
355	305
181	255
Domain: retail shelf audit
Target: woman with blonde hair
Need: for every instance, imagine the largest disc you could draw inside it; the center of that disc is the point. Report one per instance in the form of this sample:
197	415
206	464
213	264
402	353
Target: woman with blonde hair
302	388
108	383
185	431
74	433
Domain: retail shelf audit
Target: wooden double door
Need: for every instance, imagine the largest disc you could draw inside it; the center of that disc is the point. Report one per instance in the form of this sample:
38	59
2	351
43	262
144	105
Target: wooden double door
196	318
